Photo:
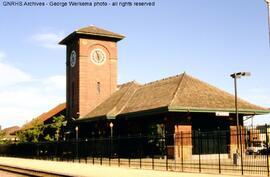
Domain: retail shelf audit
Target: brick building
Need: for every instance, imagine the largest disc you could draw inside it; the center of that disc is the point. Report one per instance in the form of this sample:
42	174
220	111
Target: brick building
172	105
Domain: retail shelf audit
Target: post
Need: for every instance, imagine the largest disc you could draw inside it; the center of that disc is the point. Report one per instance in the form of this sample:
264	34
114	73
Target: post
236	76
141	146
153	166
200	149
267	149
167	165
182	153
77	141
101	158
111	126
111	139
241	151
129	160
219	165
236	113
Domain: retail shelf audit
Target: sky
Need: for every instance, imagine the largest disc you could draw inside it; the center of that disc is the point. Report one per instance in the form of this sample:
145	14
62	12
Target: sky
207	39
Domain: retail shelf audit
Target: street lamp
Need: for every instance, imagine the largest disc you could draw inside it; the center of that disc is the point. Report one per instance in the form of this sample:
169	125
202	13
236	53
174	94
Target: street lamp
236	76
111	139
111	126
77	139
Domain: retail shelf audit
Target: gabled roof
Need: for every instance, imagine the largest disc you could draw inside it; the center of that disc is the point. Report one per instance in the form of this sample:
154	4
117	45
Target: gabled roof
197	95
115	103
93	31
45	116
10	131
181	93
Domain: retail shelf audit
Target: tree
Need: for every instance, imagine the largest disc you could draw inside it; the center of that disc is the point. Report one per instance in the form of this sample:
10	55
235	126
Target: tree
40	131
55	128
31	134
2	135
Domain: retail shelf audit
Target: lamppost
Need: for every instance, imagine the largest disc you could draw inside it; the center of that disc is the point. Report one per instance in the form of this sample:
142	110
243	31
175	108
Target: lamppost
111	149
236	76
111	126
77	141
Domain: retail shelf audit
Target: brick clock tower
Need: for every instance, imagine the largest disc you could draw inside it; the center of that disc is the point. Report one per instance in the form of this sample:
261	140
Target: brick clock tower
91	68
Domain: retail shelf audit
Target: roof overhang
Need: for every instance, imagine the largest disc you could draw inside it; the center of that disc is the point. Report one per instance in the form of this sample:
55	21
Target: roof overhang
213	110
86	35
175	109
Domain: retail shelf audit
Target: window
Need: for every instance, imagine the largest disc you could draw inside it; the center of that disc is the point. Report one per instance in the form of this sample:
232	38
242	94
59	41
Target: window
72	94
98	87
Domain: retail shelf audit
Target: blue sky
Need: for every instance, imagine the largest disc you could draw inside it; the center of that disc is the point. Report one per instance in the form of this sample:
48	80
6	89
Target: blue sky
208	39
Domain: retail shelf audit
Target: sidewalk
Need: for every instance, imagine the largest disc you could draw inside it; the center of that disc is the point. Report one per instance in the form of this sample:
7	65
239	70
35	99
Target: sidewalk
84	170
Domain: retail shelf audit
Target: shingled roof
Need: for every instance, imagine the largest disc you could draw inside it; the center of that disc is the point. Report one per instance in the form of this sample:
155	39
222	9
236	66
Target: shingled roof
116	102
10	132
181	93
45	116
93	31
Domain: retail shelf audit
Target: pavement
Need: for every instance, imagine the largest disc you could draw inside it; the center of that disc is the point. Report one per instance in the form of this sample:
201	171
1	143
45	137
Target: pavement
89	170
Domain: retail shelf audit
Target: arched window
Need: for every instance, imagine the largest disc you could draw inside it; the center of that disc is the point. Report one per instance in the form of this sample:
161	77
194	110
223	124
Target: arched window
98	87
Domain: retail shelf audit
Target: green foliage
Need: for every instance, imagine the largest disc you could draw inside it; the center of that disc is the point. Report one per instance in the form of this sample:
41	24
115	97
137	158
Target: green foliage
37	132
48	138
2	135
32	134
22	135
57	125
55	128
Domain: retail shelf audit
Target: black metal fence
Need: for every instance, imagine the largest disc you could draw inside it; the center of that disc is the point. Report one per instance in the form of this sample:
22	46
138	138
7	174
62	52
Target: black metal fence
208	152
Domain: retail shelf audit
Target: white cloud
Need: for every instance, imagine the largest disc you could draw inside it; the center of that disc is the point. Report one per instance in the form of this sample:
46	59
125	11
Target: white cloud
2	55
10	75
26	101
23	97
58	82
48	40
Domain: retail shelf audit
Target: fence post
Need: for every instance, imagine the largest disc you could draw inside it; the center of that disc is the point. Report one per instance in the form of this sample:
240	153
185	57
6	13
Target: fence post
182	152
129	161
200	148
166	154
241	151
153	165
93	148
141	146
267	149
101	158
219	167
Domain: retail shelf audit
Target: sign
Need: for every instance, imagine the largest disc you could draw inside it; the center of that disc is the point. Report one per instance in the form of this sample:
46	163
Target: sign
222	113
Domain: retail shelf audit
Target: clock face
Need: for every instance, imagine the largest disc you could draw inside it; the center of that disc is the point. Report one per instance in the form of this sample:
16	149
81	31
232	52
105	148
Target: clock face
72	58
98	56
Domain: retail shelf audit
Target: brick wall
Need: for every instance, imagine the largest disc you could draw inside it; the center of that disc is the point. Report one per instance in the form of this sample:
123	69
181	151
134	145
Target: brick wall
86	75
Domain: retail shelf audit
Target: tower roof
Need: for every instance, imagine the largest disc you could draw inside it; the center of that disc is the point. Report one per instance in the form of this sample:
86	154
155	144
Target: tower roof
93	32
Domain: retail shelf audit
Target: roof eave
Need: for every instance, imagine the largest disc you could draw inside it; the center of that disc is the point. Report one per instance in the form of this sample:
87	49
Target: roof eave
100	34
89	119
72	35
146	112
212	110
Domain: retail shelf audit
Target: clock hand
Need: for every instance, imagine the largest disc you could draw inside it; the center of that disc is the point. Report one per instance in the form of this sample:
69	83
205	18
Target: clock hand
98	56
